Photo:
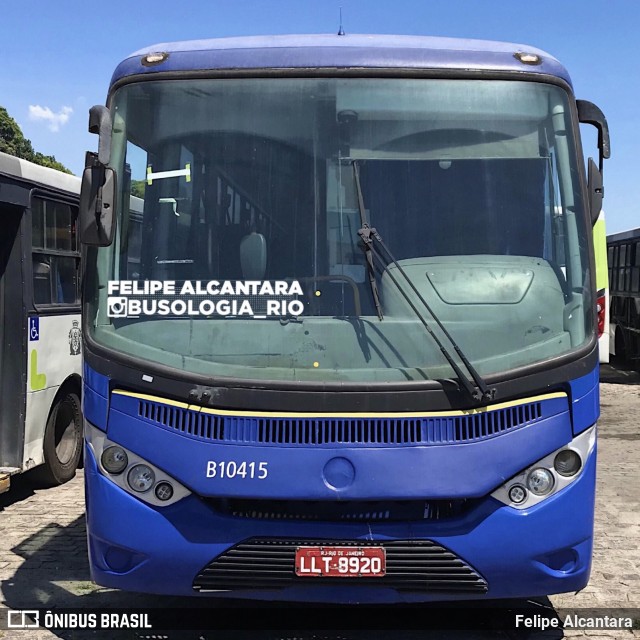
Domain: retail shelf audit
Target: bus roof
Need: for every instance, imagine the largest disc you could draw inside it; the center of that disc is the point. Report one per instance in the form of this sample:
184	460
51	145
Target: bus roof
336	52
37	174
630	234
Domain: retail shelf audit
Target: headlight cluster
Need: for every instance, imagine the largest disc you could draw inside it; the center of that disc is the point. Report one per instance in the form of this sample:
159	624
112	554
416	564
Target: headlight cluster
539	481
132	473
140	477
549	475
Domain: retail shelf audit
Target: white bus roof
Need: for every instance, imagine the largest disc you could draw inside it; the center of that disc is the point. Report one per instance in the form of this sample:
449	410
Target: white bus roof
43	176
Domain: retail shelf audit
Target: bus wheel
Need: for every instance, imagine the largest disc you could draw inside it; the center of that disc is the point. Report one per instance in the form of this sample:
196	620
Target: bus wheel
62	441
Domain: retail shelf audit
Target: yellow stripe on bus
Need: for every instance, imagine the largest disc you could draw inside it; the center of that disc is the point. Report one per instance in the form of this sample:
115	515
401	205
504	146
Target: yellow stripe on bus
279	414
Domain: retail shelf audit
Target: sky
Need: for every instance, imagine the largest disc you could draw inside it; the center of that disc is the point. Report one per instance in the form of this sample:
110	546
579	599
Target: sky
57	57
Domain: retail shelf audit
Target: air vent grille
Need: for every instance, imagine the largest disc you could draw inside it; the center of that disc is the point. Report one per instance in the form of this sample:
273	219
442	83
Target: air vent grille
341	511
370	431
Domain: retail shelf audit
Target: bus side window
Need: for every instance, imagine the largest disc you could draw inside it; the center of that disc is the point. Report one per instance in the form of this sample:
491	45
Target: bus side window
55	256
66	280
41	280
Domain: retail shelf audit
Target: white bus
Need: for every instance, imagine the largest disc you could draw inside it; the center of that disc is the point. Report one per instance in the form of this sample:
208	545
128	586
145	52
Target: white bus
40	333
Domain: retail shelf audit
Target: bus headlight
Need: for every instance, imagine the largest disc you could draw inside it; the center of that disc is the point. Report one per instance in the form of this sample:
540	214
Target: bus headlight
164	491
517	494
114	459
131	472
547	476
141	478
567	462
540	481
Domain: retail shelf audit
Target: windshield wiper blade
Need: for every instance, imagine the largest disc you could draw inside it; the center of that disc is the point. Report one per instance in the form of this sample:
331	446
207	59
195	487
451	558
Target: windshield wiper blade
481	391
368	249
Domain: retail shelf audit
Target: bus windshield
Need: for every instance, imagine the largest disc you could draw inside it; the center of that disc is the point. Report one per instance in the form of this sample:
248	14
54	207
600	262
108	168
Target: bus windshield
473	184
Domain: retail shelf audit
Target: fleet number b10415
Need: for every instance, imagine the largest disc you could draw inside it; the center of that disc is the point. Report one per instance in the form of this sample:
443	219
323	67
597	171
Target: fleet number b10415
231	469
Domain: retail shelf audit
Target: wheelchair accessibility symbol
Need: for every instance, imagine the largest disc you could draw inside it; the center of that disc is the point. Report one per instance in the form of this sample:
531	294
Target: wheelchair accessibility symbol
34	329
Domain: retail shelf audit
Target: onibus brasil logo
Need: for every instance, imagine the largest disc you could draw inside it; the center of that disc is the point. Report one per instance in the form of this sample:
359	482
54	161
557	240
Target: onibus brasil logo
204	298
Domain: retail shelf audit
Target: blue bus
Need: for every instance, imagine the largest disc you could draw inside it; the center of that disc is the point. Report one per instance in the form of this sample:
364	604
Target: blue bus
339	315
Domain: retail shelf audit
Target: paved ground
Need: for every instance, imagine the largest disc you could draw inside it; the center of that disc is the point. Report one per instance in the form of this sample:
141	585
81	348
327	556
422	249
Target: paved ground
43	550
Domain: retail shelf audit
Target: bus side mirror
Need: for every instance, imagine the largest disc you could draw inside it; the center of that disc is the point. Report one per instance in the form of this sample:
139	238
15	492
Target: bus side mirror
589	113
596	190
97	206
100	123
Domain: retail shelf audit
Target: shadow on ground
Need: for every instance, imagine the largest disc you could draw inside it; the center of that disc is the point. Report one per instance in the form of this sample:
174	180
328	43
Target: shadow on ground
22	487
619	372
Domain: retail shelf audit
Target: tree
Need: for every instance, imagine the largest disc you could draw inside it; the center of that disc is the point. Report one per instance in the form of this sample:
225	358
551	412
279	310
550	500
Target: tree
137	188
13	142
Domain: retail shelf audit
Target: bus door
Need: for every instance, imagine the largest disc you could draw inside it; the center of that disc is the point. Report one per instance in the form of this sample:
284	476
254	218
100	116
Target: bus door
12	338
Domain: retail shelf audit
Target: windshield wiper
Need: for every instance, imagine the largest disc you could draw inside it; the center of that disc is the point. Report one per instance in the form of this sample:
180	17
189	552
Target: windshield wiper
368	249
481	391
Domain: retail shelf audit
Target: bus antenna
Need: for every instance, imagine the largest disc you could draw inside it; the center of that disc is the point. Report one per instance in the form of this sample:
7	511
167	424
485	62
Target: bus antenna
340	29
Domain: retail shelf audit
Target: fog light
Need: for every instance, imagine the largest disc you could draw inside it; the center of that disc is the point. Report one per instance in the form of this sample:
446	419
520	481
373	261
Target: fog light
567	463
141	478
540	481
164	491
114	459
517	494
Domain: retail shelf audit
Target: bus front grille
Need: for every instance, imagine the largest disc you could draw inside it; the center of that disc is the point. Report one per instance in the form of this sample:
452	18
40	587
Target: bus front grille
367	431
343	510
269	563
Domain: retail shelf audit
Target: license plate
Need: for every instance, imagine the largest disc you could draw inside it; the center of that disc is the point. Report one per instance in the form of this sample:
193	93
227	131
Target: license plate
340	562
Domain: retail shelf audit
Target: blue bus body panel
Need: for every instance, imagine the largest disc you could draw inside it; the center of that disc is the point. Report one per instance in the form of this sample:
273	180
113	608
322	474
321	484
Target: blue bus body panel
448	471
585	394
435	471
515	551
95	397
520	553
340	52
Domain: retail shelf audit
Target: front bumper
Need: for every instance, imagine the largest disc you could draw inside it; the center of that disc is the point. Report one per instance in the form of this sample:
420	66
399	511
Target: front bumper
520	553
